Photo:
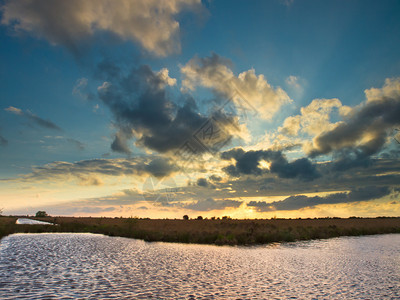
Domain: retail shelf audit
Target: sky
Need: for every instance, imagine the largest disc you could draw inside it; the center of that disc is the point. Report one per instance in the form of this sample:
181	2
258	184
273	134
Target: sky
148	108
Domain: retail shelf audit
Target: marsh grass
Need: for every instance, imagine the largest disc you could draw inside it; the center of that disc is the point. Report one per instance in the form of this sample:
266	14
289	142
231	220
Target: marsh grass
218	232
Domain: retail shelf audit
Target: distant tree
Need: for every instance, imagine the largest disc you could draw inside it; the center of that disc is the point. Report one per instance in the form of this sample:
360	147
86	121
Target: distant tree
212	218
1	211
199	218
41	214
186	217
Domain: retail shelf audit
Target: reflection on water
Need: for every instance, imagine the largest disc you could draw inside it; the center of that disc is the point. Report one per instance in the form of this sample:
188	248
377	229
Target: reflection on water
65	266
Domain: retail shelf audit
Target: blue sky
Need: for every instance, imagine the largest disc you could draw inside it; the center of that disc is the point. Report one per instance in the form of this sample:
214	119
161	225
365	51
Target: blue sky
97	99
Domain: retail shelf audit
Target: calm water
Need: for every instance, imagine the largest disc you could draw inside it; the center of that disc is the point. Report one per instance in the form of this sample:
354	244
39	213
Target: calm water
65	266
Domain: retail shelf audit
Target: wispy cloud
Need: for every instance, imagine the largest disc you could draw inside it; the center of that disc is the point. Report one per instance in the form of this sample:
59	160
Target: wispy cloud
59	170
34	119
295	84
287	3
3	141
211	204
79	145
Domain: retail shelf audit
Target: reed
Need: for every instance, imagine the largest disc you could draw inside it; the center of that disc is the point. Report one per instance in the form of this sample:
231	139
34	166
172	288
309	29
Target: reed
218	232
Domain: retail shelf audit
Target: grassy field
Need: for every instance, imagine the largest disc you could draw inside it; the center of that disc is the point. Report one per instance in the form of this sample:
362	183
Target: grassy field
218	232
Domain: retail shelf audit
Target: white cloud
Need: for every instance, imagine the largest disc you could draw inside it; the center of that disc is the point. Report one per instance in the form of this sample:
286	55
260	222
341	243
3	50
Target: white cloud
104	86
151	23
391	89
295	84
367	128
314	118
163	74
14	110
215	73
293	81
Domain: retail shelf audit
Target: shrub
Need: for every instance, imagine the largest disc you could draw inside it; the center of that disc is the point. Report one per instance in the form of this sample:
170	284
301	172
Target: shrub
41	214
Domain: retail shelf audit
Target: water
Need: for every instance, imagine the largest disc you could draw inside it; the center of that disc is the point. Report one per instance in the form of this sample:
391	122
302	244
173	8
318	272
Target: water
24	221
66	266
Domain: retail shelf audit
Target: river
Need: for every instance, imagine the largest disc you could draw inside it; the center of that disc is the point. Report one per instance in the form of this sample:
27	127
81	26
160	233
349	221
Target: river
89	266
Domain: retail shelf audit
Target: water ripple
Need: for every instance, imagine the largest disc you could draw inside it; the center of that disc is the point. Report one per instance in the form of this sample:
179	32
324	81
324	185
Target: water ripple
88	266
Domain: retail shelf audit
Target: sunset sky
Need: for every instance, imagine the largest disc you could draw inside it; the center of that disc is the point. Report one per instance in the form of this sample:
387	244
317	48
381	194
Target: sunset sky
149	108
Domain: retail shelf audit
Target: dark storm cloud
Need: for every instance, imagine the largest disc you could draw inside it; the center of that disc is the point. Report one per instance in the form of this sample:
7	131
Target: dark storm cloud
160	167
348	159
120	142
143	109
203	182
373	121
32	118
211	204
301	201
215	178
248	163
391	154
381	172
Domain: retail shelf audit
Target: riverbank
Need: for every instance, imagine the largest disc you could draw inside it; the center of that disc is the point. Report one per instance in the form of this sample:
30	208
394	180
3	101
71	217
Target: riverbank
218	232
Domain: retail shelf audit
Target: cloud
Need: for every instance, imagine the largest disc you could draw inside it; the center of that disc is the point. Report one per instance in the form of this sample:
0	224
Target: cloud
163	74
77	144
3	141
250	163
87	170
301	201
14	110
160	167
33	118
380	172
120	143
295	84
293	81
143	109
90	181
348	159
211	204
367	127
151	23
248	91
390	89
215	178
287	3
203	182
80	89
314	118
